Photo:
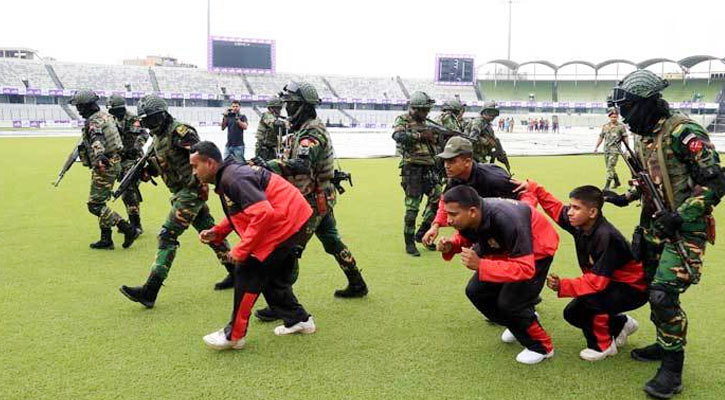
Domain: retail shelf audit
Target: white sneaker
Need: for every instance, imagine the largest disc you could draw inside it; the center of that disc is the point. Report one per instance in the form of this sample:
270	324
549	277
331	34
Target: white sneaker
507	336
629	328
593	355
531	357
218	341
301	327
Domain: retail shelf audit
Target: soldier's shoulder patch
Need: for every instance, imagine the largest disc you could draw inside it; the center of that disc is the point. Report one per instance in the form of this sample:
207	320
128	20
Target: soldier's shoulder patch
183	129
309	142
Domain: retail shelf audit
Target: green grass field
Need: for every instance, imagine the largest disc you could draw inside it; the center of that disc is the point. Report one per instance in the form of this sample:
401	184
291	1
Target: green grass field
67	333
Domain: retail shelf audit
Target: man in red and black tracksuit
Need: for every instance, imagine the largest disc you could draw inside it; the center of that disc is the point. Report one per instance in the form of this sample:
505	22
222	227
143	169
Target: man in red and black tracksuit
267	213
612	281
489	180
510	245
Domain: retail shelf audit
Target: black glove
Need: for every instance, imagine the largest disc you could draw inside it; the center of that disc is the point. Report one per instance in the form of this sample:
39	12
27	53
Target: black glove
259	161
102	162
619	200
667	223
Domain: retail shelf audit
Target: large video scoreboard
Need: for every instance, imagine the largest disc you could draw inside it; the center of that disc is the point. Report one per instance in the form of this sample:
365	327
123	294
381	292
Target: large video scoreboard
455	70
235	55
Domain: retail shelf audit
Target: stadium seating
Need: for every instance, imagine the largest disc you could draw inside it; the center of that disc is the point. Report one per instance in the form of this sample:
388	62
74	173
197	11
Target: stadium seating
584	90
188	80
520	91
32	112
355	87
440	92
680	90
103	77
13	72
269	85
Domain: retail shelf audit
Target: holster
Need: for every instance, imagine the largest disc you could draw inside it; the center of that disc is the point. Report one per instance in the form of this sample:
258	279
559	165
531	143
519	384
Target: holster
638	243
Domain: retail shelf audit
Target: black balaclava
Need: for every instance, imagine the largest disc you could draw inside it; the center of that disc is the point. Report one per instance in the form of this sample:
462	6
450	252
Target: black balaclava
87	109
118	112
299	113
156	123
642	115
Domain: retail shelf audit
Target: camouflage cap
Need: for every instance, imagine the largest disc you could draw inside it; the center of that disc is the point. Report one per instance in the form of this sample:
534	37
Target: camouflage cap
421	100
115	101
639	84
456	146
151	104
453	105
300	91
84	96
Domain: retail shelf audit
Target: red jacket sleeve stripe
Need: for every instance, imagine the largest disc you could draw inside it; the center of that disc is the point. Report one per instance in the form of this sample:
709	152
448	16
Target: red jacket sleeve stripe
501	270
588	283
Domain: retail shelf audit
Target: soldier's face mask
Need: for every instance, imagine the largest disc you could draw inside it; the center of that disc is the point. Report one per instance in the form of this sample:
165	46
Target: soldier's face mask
86	109
419	114
292	107
153	121
118	112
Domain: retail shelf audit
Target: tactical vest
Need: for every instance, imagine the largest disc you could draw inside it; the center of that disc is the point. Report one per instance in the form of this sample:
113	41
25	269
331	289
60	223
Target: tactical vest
111	140
173	160
666	169
126	128
266	134
417	152
323	169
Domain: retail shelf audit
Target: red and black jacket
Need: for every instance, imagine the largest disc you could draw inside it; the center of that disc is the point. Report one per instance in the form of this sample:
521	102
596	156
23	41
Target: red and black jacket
603	253
263	208
511	237
489	180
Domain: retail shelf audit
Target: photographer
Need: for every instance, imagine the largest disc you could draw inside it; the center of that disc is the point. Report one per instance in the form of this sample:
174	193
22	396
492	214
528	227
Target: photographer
237	123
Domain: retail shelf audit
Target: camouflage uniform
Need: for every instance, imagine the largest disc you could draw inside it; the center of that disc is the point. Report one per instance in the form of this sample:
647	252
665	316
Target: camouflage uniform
312	142
101	138
612	134
267	137
418	173
134	138
188	199
480	132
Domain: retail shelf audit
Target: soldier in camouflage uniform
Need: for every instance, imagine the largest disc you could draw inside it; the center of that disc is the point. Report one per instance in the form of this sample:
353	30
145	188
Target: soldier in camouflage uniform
100	151
684	165
452	116
134	138
418	147
480	132
270	131
612	133
171	145
308	165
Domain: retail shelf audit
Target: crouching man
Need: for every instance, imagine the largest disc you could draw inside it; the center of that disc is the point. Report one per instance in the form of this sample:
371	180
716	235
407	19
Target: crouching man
268	214
510	246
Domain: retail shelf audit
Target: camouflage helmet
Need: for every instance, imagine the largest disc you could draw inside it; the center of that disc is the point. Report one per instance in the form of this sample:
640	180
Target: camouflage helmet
491	108
453	105
151	104
84	96
115	101
421	100
639	84
274	101
300	91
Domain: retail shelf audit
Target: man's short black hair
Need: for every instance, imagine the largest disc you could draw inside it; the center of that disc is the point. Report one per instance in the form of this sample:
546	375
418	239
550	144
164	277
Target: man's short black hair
590	195
464	195
207	149
236	102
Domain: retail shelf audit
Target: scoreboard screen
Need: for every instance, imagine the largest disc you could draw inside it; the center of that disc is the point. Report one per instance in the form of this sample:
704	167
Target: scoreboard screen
240	55
455	70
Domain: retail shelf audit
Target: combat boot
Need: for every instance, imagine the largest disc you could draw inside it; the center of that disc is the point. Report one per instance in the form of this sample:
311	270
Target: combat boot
668	381
145	294
356	286
410	246
228	281
616	182
135	220
420	233
266	315
106	242
130	233
652	352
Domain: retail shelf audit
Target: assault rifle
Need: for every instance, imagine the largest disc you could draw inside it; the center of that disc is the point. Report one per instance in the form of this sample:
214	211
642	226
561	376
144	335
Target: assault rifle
68	163
134	175
338	177
500	155
643	181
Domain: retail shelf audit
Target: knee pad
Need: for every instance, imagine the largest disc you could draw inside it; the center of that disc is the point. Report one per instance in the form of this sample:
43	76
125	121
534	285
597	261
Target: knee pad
96	208
167	239
663	304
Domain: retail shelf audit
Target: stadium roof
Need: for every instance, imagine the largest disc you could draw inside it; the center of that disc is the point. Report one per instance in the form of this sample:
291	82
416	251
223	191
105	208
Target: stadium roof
685	63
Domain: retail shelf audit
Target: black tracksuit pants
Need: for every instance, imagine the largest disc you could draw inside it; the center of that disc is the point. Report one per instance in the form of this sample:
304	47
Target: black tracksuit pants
273	278
598	314
512	305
